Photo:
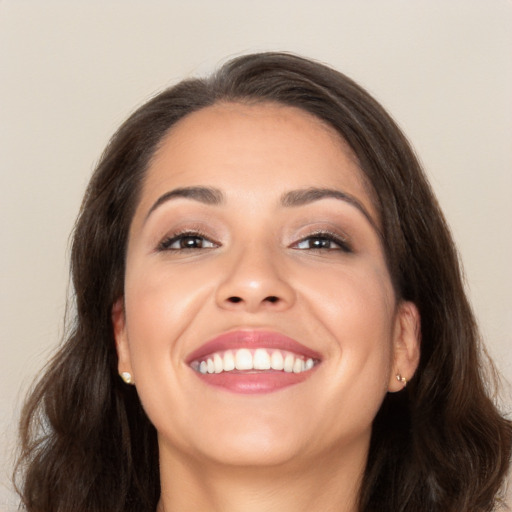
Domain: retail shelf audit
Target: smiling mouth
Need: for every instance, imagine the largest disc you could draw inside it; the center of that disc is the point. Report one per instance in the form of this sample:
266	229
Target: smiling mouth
254	361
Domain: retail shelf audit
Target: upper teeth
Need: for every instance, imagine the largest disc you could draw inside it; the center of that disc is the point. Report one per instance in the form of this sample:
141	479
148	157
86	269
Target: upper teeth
255	359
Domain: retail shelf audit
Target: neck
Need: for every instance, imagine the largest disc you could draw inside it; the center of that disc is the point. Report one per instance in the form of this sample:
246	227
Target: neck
330	483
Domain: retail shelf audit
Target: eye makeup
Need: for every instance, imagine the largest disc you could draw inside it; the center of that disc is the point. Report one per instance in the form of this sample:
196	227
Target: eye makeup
323	240
187	240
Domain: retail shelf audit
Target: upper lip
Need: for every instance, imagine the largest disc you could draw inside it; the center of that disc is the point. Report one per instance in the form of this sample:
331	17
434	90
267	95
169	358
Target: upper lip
250	338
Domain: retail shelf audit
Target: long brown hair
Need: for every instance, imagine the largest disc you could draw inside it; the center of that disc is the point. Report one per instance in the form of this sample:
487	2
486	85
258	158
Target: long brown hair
439	446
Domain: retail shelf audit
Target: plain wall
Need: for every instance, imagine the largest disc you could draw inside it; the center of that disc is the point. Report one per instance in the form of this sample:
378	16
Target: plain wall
70	72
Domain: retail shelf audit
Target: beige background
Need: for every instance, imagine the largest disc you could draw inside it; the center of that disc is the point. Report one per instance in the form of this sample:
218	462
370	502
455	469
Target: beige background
71	71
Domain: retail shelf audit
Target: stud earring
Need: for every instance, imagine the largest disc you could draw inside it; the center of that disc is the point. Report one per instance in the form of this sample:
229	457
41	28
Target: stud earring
401	379
127	377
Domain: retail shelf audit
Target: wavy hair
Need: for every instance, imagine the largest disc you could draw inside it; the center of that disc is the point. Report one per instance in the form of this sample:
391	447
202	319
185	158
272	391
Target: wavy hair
438	446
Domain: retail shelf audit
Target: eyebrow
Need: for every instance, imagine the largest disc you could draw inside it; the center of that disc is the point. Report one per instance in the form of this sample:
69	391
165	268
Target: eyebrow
206	195
214	197
310	195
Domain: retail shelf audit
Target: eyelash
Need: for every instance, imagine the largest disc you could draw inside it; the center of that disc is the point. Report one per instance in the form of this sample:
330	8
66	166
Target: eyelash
166	243
320	236
342	243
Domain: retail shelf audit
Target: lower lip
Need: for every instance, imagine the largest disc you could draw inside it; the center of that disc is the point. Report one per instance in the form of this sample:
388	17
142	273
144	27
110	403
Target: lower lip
254	383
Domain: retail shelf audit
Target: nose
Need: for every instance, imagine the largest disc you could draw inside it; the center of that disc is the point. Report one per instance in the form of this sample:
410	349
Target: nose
255	281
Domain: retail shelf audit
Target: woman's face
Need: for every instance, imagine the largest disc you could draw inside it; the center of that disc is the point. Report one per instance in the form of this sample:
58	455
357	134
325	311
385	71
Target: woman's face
259	320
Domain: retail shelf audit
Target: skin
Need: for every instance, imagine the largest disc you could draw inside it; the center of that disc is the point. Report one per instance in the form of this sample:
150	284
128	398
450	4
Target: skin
303	447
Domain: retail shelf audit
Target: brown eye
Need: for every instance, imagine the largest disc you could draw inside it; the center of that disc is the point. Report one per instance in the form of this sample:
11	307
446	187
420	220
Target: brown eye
316	243
326	242
184	241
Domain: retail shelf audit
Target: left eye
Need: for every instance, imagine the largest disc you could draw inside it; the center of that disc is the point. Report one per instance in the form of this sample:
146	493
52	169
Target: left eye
186	241
322	242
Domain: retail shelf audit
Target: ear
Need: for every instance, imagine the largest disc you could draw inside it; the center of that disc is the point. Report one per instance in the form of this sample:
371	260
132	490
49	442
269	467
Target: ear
406	345
122	347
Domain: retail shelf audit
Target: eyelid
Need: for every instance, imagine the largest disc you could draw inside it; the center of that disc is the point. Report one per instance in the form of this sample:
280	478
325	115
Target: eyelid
340	240
165	243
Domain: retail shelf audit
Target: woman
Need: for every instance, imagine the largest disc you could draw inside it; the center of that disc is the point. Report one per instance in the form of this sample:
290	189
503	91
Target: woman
261	259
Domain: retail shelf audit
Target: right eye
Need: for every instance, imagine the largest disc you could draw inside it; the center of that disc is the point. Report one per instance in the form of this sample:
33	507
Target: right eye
186	241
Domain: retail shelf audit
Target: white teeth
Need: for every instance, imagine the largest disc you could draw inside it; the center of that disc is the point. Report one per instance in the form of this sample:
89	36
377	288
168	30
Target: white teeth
217	363
261	360
277	360
229	361
297	365
288	363
244	359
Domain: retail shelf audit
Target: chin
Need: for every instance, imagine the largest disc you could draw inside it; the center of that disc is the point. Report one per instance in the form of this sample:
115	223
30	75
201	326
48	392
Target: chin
254	451
249	442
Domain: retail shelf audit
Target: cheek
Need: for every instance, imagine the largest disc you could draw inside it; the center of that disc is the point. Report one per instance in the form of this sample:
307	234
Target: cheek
354	303
355	309
160	305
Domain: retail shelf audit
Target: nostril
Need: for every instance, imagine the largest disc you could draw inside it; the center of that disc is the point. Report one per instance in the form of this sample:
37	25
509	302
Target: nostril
271	298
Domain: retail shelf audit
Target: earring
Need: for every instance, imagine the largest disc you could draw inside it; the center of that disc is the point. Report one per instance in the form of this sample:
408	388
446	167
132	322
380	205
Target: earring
401	379
127	377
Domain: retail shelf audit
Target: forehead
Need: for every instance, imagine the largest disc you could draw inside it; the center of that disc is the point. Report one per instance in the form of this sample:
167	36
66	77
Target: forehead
247	149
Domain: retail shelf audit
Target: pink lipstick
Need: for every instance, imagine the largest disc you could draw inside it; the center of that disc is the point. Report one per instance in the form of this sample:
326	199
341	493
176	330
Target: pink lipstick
249	361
